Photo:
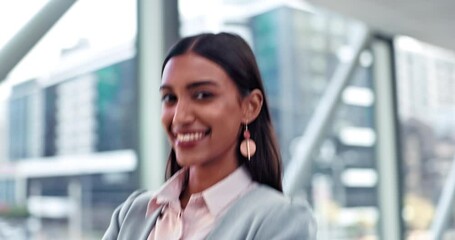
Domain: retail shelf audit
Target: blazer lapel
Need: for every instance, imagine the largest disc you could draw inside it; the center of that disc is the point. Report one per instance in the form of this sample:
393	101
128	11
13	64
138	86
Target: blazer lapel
149	223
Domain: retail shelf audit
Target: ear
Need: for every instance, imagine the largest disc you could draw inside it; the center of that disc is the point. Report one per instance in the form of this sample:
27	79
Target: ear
252	105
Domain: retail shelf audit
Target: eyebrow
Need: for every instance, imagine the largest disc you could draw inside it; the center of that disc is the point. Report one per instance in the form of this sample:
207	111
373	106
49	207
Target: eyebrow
192	85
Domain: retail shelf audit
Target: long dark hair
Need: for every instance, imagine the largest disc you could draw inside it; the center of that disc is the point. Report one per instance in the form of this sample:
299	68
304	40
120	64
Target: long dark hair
234	55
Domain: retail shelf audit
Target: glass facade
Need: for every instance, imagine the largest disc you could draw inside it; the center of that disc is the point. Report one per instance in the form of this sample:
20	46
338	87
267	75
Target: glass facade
71	151
425	86
69	114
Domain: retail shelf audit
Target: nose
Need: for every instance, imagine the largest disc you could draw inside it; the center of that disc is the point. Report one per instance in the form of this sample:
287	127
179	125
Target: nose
183	114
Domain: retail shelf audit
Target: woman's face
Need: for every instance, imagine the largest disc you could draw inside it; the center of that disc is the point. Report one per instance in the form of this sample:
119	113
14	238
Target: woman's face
201	111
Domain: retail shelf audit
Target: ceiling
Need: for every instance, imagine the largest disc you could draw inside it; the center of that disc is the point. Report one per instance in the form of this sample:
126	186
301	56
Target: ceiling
431	21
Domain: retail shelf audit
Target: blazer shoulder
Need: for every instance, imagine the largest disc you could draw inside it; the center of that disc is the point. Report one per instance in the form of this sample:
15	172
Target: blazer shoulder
137	198
265	197
126	213
265	213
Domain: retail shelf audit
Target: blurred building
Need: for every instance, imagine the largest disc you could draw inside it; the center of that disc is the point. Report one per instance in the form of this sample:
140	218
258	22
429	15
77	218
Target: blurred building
426	77
7	196
292	55
84	112
25	121
3	131
297	53
72	138
78	129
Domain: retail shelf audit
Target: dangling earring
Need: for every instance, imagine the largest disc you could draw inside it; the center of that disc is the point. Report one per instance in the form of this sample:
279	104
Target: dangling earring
247	146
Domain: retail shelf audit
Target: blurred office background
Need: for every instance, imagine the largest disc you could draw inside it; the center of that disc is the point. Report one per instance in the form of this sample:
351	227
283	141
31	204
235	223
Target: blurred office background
362	95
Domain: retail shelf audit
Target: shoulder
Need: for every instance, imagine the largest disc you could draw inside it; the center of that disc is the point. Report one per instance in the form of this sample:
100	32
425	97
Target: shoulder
283	217
269	200
266	197
136	202
127	214
265	213
137	196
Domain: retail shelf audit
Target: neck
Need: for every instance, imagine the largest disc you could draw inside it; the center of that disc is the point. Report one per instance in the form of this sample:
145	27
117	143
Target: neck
203	177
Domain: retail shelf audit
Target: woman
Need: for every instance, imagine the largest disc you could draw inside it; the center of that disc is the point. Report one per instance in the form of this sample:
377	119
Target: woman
224	170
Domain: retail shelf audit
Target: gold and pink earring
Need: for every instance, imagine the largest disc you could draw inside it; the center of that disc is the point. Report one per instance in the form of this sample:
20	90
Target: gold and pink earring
247	146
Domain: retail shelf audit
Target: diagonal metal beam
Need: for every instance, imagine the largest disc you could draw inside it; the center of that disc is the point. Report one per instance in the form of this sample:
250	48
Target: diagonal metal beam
21	43
445	206
298	172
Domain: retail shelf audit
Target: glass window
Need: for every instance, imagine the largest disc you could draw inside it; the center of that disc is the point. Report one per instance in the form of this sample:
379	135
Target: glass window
426	104
68	116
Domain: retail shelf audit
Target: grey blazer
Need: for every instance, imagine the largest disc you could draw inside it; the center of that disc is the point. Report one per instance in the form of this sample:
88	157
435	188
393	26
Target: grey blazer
262	213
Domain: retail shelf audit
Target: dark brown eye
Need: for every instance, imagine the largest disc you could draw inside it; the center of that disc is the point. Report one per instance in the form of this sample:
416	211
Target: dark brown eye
168	98
202	95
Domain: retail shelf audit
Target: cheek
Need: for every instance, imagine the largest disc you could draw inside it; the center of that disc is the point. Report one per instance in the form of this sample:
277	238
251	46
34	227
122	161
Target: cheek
166	117
228	119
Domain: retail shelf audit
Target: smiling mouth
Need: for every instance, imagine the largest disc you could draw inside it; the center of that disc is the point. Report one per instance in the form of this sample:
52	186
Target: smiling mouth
191	137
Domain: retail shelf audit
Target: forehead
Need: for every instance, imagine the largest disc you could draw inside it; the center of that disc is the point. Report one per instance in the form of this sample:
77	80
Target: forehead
189	67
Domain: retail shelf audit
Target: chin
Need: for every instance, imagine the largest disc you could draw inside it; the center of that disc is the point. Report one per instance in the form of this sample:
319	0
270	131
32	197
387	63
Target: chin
186	162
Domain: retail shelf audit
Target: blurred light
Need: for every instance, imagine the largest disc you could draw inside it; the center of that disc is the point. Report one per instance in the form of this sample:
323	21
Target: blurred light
359	177
358	96
50	207
351	216
345	54
104	162
409	44
328	150
366	58
5	92
356	136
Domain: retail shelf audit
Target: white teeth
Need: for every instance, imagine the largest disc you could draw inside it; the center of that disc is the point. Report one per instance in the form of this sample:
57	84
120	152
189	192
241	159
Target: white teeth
188	137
